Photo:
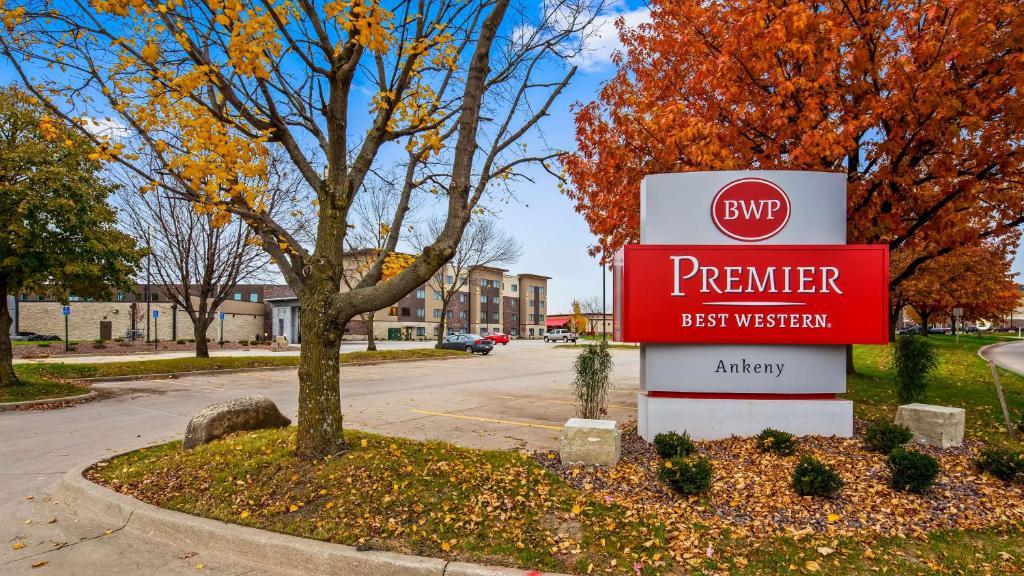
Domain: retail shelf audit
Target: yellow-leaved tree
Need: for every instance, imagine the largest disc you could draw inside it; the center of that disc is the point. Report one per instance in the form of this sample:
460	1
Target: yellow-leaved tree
201	92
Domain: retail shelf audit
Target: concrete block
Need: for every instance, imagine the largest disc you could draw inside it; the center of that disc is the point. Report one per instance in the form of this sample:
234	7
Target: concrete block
938	426
717	418
591	442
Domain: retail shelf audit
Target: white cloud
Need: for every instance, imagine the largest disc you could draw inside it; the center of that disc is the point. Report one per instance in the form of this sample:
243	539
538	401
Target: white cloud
602	40
105	128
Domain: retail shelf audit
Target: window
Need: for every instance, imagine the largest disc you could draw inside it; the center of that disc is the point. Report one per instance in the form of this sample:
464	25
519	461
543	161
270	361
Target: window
437	313
420	313
393	311
515	317
495	284
421	331
462	297
254	297
120	297
483	331
494	317
531	318
462	314
514	332
540	318
421	293
495	300
540	331
237	296
449	279
515	287
483	298
530	303
483	283
448	313
437	295
540	289
541	303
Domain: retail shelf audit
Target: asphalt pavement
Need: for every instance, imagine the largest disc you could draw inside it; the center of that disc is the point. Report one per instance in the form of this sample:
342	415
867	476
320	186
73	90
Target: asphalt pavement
516	397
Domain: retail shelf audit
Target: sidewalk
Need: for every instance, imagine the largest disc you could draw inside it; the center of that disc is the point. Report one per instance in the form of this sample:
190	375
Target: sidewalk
85	359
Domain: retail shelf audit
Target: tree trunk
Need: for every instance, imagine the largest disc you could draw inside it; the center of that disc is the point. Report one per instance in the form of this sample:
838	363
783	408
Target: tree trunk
924	322
199	333
7	375
894	315
850	368
319	427
371	343
441	325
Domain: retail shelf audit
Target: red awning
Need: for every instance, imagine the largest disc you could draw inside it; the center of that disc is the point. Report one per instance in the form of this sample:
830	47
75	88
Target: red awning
557	321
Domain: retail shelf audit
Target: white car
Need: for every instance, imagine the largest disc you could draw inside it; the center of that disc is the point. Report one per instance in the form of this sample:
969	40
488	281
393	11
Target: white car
560	334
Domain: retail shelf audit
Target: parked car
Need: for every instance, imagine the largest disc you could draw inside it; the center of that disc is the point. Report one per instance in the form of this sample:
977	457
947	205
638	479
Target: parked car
468	342
43	338
940	330
909	330
498	338
560	334
23	335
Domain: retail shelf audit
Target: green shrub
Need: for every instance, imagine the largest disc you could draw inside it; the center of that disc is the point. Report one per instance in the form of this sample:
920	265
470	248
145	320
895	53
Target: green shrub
672	444
243	342
180	341
687	476
593	380
776	441
98	341
812	477
44	345
191	340
912	471
884	436
1007	465
119	339
914	357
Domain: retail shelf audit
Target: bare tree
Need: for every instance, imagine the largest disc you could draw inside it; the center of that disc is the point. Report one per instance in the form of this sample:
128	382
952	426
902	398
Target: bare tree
197	264
591	308
483	244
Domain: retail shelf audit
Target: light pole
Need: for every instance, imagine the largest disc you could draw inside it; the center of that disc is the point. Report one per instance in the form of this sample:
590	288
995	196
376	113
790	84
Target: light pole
604	305
149	274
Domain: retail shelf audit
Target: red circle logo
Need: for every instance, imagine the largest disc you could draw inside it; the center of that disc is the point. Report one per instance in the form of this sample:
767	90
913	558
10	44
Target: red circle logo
750	209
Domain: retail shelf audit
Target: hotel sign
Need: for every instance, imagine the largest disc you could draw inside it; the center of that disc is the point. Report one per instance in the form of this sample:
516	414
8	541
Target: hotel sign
763	294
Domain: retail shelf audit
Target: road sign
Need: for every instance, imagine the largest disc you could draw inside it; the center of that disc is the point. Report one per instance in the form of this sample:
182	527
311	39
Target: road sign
65	310
156	314
221	315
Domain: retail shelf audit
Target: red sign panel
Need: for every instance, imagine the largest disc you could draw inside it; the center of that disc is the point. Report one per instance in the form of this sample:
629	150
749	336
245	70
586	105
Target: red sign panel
827	294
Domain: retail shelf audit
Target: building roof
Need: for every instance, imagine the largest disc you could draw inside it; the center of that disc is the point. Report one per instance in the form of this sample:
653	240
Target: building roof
552	321
541	276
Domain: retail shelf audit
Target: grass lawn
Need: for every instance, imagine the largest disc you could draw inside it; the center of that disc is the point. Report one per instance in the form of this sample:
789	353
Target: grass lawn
963	380
611	346
55	380
41	344
435	499
425	498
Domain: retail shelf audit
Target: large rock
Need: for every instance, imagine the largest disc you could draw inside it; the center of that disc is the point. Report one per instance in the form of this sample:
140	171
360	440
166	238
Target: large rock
938	426
591	442
219	420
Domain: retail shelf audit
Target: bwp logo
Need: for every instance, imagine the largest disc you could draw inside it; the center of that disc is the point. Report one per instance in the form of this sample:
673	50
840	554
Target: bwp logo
750	209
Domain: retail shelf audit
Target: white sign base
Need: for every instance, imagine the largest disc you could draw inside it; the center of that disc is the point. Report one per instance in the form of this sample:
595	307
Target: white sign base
714	419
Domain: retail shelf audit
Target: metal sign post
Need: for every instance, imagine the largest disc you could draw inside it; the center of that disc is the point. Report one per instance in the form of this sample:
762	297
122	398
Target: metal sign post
66	311
1002	399
156	329
221	341
958	314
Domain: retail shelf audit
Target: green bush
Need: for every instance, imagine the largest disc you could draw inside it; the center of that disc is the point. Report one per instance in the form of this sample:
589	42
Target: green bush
687	476
1007	465
180	341
912	471
672	444
776	441
914	357
884	436
119	339
98	341
44	345
593	380
243	342
191	340
812	477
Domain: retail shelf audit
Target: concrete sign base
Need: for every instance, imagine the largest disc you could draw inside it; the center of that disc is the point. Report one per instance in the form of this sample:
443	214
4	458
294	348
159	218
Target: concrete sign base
714	419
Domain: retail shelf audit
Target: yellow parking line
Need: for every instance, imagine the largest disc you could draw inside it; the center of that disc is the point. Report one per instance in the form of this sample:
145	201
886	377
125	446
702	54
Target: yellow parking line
557	401
493	420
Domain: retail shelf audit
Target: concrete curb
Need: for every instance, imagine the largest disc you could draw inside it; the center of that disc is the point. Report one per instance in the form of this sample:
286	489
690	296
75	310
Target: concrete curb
251	545
984	349
79	398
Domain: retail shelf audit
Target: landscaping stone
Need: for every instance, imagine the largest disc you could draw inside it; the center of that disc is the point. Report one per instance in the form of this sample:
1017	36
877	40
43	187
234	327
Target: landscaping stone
591	442
219	420
938	426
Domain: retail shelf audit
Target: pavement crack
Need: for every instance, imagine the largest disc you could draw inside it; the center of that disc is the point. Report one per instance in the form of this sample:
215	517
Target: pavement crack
444	569
64	545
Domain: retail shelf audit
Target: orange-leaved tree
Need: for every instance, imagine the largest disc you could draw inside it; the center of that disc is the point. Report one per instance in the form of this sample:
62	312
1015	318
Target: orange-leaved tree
918	102
441	91
977	279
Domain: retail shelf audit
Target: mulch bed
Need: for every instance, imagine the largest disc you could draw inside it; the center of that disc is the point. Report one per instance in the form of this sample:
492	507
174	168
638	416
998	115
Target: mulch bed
751	497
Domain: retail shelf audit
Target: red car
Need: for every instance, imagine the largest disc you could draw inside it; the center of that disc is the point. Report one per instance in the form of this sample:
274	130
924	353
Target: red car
498	338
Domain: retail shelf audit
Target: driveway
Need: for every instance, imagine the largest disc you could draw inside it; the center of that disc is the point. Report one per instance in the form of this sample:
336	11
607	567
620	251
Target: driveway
1009	356
517	397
